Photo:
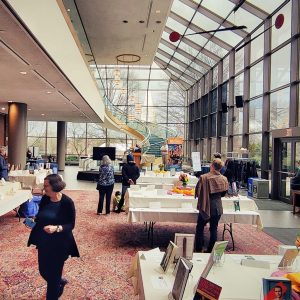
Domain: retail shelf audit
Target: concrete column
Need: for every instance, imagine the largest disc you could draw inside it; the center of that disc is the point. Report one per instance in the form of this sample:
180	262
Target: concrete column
61	145
17	133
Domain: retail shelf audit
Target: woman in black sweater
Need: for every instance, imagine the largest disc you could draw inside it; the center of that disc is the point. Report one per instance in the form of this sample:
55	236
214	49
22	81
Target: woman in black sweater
52	235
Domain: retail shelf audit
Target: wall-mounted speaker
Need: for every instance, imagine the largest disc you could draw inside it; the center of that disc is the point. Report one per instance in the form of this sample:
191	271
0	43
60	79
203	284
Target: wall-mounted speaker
224	107
239	101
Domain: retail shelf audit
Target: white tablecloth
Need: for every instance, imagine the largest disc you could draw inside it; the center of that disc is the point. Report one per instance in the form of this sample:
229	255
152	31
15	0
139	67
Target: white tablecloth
238	282
9	186
182	215
10	202
166	178
143	198
29	180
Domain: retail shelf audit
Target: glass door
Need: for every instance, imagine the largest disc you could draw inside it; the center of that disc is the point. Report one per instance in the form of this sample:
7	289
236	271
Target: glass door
289	166
285	170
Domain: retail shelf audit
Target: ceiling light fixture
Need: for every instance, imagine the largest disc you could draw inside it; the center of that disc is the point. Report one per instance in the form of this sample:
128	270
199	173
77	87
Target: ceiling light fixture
29	108
157	11
68	9
48	92
42	114
23	72
3	108
9	101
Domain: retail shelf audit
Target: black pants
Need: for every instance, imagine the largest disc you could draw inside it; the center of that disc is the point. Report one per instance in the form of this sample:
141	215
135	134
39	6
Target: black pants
121	203
105	192
51	264
213	228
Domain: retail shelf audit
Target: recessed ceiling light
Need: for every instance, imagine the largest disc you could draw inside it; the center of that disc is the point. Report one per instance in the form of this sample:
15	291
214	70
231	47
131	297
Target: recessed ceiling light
68	9
74	110
125	21
9	101
42	114
157	11
3	108
48	92
158	22
29	108
23	72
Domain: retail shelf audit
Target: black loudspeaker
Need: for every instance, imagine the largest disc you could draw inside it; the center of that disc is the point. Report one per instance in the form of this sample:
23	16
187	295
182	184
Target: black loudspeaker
239	101
224	107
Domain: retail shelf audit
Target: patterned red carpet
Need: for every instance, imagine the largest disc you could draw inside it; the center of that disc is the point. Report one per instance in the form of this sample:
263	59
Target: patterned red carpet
106	244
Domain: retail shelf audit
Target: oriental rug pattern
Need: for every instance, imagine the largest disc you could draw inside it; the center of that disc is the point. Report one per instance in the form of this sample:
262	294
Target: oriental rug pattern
107	245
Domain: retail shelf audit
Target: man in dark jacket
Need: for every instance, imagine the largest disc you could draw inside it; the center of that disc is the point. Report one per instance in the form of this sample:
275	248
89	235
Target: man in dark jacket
3	164
130	174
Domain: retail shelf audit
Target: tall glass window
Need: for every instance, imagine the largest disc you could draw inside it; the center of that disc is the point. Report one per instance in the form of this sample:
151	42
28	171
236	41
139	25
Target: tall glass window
279	109
280	67
255	115
256	80
255	149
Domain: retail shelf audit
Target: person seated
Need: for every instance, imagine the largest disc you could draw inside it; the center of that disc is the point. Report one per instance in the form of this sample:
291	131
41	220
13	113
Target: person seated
116	200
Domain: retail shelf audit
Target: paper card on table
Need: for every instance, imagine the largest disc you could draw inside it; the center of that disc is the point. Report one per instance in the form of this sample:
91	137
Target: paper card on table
153	254
288	258
161	192
208	290
160	283
150	187
277	288
187	205
255	263
155	205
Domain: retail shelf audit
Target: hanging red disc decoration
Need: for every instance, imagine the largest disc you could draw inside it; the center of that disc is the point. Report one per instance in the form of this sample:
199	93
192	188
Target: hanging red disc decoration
279	21
174	36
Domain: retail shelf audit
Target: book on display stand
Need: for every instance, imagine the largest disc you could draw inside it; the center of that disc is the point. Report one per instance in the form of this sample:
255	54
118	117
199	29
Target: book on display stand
185	244
206	289
288	258
182	272
275	288
218	250
169	256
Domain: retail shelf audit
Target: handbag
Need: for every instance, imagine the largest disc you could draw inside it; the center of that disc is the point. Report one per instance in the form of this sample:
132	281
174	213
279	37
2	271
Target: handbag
98	188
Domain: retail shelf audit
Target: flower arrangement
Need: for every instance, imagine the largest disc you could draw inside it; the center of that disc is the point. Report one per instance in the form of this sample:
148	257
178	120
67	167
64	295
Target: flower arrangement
184	191
184	178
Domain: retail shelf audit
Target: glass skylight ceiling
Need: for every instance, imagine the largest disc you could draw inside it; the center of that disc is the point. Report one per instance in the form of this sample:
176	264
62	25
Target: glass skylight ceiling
190	58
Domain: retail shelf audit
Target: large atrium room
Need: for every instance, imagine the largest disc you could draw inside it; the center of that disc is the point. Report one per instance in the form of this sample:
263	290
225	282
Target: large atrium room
149	149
